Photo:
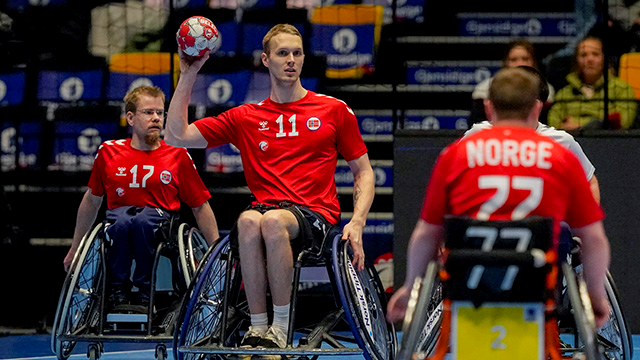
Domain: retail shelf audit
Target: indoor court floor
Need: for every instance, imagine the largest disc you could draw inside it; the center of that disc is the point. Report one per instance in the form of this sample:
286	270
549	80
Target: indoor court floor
38	347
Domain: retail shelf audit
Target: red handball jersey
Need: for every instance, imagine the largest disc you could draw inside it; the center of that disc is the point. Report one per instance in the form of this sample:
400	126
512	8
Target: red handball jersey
508	173
159	178
289	151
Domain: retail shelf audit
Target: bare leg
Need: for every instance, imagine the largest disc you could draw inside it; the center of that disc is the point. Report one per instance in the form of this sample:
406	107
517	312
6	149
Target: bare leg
252	261
278	227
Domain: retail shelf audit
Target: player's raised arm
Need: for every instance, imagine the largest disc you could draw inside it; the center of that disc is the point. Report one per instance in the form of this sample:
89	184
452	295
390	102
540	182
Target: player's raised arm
178	130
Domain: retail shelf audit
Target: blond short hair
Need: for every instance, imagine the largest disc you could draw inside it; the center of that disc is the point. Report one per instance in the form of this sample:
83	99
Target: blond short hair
513	93
278	29
133	96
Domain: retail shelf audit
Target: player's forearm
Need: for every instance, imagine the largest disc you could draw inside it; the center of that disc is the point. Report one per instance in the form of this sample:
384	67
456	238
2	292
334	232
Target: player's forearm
207	222
178	113
423	248
363	194
595	257
87	214
595	188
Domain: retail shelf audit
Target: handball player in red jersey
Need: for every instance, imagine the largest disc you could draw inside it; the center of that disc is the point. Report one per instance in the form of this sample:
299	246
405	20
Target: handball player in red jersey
289	144
509	172
144	180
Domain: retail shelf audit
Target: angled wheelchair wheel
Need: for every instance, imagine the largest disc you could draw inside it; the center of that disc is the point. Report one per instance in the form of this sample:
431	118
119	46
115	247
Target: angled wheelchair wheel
421	325
582	313
192	246
201	313
364	301
614	337
80	294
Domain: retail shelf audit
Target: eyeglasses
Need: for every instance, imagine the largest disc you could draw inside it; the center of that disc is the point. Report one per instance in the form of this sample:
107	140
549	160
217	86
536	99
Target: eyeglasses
150	112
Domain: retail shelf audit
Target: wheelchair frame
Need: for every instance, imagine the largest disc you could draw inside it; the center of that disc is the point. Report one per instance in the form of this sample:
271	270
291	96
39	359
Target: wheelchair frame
81	313
421	328
214	313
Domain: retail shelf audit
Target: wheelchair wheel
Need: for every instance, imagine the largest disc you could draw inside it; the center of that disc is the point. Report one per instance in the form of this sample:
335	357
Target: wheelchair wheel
363	299
192	246
421	325
80	293
201	312
582	313
614	337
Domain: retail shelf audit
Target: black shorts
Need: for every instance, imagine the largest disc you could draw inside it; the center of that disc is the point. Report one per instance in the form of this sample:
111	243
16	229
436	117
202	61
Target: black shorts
316	233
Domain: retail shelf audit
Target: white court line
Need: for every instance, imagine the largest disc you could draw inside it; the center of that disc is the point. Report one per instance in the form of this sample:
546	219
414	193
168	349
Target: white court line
84	356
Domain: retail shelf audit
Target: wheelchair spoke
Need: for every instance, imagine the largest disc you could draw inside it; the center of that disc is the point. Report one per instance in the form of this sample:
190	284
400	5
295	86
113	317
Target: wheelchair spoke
205	318
609	337
85	292
361	296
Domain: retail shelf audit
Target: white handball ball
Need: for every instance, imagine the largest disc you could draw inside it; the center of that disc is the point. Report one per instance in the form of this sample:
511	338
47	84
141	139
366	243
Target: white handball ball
196	35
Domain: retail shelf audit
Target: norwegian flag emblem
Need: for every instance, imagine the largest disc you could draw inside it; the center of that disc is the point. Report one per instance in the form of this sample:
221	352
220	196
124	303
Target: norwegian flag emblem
165	177
313	123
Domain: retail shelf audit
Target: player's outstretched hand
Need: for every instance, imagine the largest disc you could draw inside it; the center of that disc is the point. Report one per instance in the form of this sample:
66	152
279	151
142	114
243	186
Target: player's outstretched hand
68	259
191	63
600	311
397	306
353	233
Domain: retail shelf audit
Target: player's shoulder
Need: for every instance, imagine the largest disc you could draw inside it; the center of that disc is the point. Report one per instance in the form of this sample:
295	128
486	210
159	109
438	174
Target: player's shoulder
327	100
560	136
245	108
114	146
170	148
483	125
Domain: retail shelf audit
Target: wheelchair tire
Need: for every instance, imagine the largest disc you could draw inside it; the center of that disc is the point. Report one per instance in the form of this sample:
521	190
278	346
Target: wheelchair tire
80	293
582	313
201	312
614	337
421	328
364	301
192	247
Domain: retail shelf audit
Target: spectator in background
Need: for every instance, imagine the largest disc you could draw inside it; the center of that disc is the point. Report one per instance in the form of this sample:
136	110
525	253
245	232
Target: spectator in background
581	103
519	52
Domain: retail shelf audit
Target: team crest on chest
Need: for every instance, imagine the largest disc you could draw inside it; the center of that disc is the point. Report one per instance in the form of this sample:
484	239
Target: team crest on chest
313	123
120	191
165	177
263	145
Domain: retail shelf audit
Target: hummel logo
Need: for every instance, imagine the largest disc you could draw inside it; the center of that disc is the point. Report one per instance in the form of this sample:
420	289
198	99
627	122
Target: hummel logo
263	126
121	171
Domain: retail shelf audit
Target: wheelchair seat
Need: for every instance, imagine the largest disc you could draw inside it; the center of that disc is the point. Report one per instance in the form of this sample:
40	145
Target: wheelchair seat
499	281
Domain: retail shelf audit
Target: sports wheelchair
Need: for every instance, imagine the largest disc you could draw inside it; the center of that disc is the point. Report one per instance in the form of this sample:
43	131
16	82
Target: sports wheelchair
215	311
82	315
573	316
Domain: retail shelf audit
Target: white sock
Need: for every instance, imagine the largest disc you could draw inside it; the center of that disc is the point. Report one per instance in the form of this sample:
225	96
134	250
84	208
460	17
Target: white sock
260	322
281	317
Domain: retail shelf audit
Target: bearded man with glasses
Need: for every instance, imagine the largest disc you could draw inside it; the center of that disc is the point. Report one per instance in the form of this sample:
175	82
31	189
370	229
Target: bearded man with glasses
144	181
